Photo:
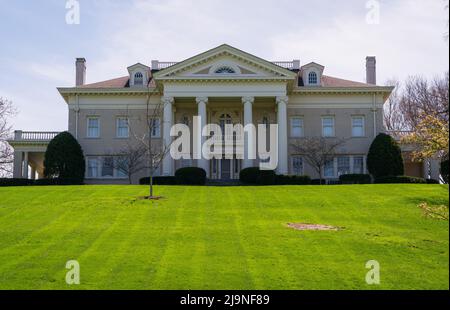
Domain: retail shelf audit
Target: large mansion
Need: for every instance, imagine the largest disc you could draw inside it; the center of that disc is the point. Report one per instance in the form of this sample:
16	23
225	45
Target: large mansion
224	86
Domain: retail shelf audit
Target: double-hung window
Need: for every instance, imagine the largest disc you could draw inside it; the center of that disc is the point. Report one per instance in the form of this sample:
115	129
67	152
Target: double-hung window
122	130
328	170
358	126
343	165
328	126
156	128
297	127
93	168
93	127
358	164
297	165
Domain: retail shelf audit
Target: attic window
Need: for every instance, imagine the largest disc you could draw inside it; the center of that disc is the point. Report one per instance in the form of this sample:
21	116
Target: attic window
225	70
312	78
138	79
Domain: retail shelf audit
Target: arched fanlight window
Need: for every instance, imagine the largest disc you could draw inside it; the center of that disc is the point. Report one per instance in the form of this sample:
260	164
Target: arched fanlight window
312	78
225	70
138	78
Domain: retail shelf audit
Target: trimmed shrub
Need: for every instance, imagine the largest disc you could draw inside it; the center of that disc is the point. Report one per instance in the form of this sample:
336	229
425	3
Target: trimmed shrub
355	179
432	181
318	182
266	177
57	181
190	176
159	180
444	170
384	157
15	182
400	179
64	158
293	180
249	175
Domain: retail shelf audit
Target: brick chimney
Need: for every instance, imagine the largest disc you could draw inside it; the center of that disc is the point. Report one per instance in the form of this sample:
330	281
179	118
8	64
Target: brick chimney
371	70
80	71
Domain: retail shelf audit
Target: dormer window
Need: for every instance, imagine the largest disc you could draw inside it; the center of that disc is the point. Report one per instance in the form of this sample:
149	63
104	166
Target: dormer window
225	70
138	79
312	78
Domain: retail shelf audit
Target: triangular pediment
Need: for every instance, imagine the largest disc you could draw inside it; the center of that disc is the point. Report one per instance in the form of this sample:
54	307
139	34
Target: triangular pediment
224	62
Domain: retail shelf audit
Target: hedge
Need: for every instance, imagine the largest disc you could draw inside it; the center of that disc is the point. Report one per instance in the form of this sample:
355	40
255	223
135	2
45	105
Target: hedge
190	176
159	180
58	181
39	182
318	182
15	182
249	175
355	179
293	180
400	179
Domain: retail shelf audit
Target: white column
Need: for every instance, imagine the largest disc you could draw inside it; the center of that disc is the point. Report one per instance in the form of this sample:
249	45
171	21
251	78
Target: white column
167	102
282	134
248	137
25	166
201	112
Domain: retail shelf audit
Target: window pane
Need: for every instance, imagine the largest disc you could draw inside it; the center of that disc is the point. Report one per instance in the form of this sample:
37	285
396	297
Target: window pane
296	127
357	127
358	164
93	127
108	167
328	126
297	165
156	128
343	165
92	168
329	169
121	166
122	128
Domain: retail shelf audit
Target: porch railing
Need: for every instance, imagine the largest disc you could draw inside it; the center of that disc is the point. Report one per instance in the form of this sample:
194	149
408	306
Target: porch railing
20	135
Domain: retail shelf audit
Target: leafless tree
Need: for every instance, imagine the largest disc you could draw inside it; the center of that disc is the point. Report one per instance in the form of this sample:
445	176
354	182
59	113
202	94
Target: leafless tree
129	160
317	151
154	150
393	118
416	98
7	110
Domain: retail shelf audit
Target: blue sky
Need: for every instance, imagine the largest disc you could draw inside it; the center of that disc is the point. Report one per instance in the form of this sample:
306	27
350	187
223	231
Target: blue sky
38	48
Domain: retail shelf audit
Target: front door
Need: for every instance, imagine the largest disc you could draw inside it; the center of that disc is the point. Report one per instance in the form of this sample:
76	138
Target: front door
225	173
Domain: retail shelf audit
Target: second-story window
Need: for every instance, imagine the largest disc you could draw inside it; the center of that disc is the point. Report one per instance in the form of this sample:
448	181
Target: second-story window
138	78
93	127
156	128
328	126
312	78
297	127
358	126
122	130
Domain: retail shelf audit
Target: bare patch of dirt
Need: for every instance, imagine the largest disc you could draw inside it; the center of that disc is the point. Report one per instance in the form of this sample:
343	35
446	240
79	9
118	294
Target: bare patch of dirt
303	226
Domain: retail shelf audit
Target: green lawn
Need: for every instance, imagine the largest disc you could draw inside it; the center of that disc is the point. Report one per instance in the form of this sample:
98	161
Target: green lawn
222	237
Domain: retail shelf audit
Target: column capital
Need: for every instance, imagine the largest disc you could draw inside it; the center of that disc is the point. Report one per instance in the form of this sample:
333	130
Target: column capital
248	99
282	99
167	99
201	100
